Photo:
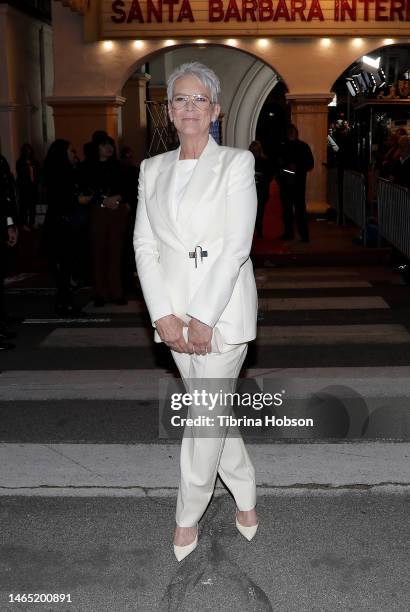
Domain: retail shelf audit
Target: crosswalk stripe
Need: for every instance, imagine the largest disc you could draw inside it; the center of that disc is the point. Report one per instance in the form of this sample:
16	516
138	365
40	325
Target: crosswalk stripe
372	273
269	335
133	307
306	272
266	304
143	384
333	334
31	291
18	278
310	284
323	303
71	320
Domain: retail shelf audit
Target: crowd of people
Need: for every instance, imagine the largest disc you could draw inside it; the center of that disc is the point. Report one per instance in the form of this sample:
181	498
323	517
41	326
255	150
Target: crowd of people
90	209
91	206
90	212
390	151
394	158
8	239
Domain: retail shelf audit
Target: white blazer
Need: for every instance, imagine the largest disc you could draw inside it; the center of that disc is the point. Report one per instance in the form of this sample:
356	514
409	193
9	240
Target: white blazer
217	213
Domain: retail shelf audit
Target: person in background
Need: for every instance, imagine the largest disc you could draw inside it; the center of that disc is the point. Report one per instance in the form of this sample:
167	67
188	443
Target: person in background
131	174
401	168
392	155
28	179
8	239
63	209
295	161
103	177
263	177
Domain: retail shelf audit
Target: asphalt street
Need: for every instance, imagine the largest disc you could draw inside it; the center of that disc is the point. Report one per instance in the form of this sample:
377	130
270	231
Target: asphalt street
88	481
331	551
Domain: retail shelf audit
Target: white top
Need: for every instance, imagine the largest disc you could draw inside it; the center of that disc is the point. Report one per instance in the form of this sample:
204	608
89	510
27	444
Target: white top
184	170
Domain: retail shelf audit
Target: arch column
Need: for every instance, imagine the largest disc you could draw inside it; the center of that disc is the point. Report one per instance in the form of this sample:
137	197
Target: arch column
243	114
310	115
134	114
9	139
76	118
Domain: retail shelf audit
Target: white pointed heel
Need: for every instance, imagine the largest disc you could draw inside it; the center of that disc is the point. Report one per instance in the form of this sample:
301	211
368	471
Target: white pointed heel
247	532
183	551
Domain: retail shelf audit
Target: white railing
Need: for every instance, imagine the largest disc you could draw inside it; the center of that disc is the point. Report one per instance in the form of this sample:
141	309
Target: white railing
355	198
393	205
333	187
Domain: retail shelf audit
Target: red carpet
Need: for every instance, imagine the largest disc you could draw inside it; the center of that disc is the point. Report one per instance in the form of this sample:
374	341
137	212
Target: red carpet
272	227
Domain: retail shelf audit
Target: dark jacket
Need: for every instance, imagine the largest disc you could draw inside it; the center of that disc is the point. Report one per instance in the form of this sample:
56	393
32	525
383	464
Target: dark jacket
8	206
27	182
101	179
401	172
263	176
61	195
131	176
61	192
294	155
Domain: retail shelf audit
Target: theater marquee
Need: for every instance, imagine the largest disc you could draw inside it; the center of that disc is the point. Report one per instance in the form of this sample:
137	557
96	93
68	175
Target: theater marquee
210	18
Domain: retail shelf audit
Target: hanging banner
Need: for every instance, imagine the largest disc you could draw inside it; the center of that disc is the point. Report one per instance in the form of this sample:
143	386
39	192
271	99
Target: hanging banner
211	18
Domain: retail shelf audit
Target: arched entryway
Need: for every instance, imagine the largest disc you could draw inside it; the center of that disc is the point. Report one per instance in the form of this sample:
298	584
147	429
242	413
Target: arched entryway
246	82
90	75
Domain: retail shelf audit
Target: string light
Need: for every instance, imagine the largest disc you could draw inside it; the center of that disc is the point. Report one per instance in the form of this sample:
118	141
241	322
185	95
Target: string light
357	42
263	42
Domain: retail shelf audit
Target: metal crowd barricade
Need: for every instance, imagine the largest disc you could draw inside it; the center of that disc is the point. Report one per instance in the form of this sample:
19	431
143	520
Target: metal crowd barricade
332	187
354	199
393	205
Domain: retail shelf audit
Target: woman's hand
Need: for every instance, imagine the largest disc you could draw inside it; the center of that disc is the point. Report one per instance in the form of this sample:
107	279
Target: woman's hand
84	199
12	235
170	331
199	337
112	201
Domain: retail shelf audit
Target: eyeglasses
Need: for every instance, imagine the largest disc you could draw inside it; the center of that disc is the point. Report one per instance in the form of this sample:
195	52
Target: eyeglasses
198	100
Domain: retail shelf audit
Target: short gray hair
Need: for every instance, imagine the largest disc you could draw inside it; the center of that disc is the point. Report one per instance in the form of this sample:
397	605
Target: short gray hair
206	75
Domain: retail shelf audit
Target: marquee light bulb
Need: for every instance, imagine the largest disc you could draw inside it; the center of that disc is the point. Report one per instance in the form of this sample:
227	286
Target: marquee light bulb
325	42
108	45
388	41
357	42
138	44
263	42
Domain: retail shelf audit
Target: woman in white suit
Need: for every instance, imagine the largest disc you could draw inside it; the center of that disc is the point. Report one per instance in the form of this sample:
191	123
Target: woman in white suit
193	234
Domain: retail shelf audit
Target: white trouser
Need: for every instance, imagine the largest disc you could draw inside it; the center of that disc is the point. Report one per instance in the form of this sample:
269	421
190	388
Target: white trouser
202	458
